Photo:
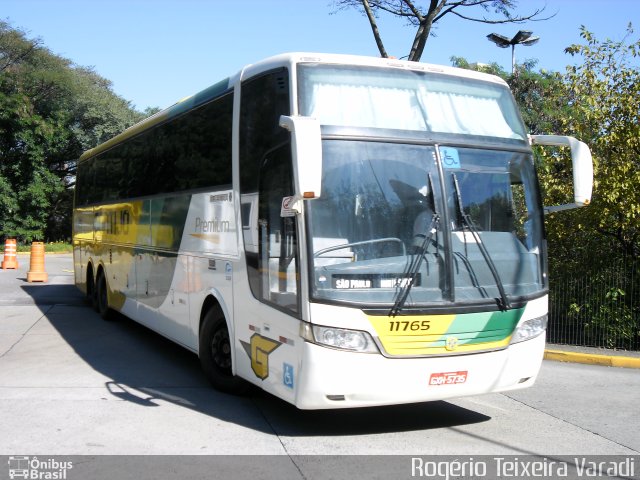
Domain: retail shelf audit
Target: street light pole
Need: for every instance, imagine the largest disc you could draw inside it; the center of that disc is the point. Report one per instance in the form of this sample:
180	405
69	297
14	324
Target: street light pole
523	37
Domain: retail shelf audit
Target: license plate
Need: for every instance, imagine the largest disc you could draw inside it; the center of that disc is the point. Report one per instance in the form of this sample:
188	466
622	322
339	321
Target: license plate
448	378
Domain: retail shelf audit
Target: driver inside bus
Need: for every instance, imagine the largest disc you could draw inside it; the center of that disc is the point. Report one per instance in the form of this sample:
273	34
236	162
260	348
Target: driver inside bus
419	209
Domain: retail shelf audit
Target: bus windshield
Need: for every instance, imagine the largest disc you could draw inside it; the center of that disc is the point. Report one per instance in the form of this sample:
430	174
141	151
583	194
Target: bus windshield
376	210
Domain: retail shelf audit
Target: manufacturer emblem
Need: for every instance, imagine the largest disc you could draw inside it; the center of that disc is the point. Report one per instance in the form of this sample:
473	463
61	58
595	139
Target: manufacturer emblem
451	344
259	350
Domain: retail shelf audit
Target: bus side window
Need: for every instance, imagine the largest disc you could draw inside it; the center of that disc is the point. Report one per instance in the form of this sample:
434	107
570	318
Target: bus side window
278	240
262	101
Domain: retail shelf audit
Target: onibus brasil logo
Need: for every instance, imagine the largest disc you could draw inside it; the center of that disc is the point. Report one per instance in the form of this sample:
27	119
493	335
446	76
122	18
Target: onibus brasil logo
34	468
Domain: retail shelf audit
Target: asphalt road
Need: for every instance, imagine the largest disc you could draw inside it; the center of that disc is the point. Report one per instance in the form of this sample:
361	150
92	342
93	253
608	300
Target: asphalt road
73	384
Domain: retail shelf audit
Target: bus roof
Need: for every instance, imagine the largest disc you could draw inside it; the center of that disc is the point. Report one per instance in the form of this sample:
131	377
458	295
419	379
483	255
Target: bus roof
359	60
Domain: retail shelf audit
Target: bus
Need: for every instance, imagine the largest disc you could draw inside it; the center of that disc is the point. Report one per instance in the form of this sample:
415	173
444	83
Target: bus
340	231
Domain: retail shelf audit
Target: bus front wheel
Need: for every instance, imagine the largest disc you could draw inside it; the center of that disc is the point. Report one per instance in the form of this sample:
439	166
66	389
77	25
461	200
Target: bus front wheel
215	354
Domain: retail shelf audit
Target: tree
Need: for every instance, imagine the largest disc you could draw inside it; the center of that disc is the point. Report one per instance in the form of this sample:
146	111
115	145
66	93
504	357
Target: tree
604	95
50	112
424	17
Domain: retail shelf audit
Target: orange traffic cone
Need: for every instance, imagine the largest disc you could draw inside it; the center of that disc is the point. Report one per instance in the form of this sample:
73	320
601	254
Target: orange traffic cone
36	266
10	259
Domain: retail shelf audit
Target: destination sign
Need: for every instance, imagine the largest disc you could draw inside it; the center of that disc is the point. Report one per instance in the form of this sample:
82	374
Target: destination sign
364	281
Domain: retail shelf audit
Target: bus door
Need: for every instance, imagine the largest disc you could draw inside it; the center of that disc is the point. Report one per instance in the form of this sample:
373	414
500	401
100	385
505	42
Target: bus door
268	330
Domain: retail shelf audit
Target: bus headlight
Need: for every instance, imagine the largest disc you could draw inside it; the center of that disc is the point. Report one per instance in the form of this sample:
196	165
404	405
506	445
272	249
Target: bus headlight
530	329
340	338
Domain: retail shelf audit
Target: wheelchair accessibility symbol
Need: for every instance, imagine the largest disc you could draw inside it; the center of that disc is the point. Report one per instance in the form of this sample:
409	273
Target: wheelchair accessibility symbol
450	157
287	375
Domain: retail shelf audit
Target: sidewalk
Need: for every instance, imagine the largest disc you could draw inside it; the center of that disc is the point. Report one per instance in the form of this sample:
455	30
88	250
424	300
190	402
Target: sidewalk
60	290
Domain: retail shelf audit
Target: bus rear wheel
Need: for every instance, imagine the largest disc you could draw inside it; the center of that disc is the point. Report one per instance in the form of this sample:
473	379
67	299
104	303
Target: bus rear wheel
215	354
102	299
91	289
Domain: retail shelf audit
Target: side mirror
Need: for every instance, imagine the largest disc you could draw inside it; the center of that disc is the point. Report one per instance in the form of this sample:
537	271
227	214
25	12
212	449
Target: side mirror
306	144
582	168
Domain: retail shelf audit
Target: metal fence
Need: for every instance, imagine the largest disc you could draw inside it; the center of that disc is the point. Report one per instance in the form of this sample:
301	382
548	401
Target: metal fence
598	309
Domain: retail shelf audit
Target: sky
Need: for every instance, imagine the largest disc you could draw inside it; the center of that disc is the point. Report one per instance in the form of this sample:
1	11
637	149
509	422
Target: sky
156	52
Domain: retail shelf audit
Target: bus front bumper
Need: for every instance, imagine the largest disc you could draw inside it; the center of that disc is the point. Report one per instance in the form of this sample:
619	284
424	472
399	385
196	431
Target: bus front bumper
338	379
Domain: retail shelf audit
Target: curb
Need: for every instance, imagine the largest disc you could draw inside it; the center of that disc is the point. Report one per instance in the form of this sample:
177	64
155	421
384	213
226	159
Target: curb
591	359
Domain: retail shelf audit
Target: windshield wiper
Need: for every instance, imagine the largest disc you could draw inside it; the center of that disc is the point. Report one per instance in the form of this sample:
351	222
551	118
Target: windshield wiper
503	301
411	273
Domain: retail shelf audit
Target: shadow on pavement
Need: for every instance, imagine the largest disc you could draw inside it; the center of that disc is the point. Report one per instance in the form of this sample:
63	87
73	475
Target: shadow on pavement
45	294
148	370
145	369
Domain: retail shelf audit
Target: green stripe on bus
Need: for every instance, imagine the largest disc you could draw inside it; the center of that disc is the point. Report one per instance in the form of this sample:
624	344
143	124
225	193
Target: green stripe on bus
472	328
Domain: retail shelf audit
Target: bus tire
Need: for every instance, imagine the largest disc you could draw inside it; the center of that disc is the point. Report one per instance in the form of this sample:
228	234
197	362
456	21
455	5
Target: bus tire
215	354
91	298
102	297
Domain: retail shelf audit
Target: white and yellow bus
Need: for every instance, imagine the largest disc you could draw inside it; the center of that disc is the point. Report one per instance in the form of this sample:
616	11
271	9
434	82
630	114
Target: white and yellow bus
340	231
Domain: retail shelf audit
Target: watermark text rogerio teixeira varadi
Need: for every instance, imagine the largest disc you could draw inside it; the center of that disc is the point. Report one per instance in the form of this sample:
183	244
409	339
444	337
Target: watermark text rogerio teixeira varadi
525	467
42	468
311	467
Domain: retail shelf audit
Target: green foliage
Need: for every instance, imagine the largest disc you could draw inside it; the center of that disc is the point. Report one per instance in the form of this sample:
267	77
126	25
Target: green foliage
604	94
607	320
612	321
50	247
50	112
58	247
